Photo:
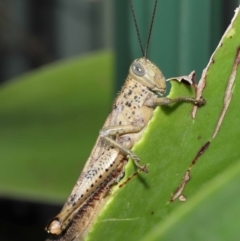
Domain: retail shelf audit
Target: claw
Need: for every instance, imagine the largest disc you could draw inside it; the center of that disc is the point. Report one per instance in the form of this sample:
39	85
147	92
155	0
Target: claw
136	160
144	169
200	102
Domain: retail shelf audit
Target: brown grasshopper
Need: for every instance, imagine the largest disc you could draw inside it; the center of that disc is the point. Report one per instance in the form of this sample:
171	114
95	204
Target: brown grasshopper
131	112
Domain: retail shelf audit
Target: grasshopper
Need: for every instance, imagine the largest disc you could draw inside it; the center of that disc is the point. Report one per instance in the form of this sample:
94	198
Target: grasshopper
132	110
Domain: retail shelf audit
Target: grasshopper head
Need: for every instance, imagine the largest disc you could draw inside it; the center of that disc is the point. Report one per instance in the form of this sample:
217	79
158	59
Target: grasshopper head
148	74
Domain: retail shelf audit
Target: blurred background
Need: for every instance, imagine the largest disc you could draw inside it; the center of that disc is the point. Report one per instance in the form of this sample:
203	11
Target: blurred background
52	54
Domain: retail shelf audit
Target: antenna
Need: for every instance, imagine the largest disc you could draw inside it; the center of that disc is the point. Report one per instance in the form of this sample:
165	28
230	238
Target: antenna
150	29
136	26
144	53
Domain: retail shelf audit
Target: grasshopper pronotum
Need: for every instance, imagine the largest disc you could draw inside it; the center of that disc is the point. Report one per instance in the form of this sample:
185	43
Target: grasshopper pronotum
124	126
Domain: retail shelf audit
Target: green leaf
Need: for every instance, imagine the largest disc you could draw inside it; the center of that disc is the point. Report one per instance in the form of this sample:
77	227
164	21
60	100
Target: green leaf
49	120
210	215
169	147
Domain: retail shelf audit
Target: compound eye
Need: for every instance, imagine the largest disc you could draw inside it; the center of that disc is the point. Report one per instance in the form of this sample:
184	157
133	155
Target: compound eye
138	69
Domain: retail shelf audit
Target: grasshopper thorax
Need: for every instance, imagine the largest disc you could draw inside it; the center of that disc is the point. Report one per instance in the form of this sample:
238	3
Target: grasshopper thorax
148	74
